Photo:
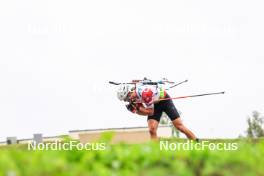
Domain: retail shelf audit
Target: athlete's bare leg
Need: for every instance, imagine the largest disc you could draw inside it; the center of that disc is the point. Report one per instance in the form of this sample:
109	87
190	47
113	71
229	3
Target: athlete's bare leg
153	126
179	125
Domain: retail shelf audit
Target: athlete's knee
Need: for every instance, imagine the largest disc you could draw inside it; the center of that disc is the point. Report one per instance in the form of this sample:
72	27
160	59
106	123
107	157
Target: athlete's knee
152	130
178	124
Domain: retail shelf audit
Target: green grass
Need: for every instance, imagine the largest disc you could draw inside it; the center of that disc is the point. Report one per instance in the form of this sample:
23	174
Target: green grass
139	159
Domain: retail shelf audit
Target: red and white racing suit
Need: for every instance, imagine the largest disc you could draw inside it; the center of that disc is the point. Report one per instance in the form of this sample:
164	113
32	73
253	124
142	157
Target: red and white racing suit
148	94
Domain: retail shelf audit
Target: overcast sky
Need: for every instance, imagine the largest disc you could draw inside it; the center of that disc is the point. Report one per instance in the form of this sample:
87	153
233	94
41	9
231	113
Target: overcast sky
56	57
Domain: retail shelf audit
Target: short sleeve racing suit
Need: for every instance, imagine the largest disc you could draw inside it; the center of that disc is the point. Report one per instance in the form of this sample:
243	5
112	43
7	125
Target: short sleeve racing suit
166	106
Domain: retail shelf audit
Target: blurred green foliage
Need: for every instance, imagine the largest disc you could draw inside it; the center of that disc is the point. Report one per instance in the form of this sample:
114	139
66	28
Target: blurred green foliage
133	160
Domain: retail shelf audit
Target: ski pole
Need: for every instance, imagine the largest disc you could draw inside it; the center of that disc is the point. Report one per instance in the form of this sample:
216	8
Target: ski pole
190	96
177	84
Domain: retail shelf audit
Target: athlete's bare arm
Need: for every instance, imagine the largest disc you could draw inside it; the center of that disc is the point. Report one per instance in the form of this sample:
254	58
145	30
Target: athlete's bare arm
141	110
145	111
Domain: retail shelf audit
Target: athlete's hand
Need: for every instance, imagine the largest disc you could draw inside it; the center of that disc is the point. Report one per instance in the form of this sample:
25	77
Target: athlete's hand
133	100
131	107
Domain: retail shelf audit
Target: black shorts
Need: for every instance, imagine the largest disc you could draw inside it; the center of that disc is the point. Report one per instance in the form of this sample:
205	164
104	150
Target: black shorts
166	106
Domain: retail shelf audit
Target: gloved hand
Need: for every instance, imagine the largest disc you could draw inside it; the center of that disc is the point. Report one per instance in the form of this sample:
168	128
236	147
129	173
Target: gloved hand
131	107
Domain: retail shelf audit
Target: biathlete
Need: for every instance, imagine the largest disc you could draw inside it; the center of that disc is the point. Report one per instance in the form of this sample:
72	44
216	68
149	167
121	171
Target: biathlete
145	100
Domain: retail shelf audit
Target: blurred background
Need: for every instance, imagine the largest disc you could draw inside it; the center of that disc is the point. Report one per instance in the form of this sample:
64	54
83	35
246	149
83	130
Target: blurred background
56	58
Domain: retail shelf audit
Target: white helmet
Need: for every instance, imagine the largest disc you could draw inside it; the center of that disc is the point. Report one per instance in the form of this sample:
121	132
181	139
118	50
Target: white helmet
123	91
